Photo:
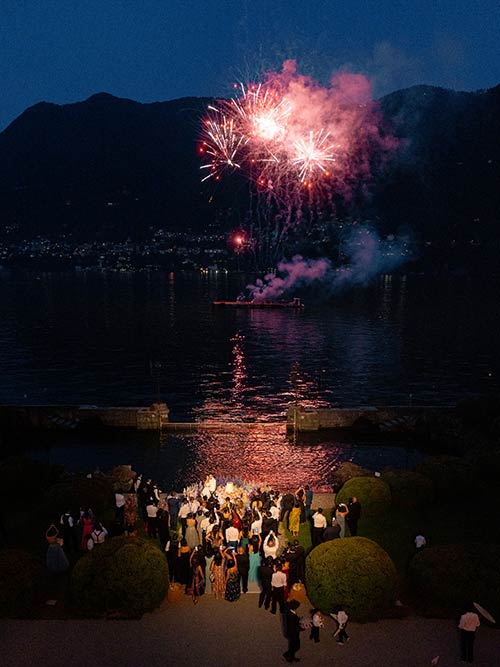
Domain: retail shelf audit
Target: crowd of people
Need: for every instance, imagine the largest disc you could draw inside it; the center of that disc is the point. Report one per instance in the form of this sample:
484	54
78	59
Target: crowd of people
217	539
222	540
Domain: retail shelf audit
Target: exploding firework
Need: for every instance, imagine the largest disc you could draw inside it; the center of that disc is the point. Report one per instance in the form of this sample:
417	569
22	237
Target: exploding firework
222	144
313	155
298	142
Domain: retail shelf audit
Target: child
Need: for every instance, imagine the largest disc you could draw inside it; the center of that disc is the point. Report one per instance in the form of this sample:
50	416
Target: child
341	617
316	624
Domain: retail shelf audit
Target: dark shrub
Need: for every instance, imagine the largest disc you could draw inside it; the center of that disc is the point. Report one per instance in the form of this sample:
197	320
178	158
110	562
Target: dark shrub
121	477
372	492
125	576
446	578
78	491
488	465
479	412
22	473
346	471
355	573
409	490
449	474
20	576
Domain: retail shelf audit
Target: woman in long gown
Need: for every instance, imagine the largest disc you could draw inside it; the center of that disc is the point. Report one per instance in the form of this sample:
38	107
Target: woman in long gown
254	558
182	564
294	521
217	575
340	514
192	537
56	558
87	525
197	575
232	592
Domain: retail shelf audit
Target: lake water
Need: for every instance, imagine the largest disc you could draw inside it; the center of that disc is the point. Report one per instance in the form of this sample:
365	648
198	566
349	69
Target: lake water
125	339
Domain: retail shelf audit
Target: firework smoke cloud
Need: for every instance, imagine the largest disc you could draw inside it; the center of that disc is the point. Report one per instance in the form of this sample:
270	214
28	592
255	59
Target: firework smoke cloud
367	256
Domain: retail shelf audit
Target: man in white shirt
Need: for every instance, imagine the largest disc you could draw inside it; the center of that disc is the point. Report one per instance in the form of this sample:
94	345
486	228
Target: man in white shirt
193	505
183	514
278	583
120	508
319	525
469	622
152	512
205	523
275	512
420	542
232	536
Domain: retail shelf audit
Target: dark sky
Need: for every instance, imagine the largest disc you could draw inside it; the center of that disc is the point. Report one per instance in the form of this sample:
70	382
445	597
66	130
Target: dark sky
63	51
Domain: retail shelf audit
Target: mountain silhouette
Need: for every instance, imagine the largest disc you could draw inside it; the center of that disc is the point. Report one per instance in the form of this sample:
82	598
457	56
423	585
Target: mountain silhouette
111	168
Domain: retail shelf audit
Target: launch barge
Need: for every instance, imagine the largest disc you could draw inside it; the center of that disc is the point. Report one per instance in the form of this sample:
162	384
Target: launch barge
296	303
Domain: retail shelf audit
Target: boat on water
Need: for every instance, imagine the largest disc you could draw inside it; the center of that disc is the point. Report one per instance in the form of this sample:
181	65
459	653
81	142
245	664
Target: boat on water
295	303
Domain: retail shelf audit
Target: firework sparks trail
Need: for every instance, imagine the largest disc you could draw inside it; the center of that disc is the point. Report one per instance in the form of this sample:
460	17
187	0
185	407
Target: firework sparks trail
313	154
222	145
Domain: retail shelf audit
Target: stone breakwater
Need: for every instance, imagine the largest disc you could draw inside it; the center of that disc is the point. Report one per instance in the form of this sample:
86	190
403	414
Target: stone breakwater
386	419
422	420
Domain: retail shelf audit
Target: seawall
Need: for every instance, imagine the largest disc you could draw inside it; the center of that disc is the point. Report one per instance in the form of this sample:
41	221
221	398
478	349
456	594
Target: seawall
70	417
398	419
382	419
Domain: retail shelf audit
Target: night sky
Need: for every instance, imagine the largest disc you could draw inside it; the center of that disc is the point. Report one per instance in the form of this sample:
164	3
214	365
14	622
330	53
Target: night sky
153	50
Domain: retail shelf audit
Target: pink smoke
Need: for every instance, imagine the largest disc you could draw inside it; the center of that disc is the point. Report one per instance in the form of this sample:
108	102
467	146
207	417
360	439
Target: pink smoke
294	273
367	256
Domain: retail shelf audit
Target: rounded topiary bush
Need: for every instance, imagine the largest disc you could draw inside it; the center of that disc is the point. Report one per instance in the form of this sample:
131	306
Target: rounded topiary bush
355	573
409	490
444	579
449	474
372	492
348	470
124	577
20	577
78	491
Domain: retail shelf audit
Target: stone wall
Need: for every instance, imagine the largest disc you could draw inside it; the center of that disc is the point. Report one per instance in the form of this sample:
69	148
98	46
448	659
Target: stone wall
68	417
384	418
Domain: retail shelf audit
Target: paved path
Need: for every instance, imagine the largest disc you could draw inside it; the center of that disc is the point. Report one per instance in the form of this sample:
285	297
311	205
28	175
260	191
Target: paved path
216	632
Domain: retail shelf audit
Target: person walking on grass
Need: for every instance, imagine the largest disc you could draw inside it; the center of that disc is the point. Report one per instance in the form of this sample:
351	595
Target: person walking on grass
319	525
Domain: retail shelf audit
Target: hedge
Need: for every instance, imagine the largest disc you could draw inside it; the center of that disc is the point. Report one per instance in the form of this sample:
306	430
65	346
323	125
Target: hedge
125	577
447	578
409	490
372	492
23	473
449	474
20	577
78	491
355	573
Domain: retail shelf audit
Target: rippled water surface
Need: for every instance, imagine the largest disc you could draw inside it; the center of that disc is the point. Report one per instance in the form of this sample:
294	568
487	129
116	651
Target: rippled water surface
125	339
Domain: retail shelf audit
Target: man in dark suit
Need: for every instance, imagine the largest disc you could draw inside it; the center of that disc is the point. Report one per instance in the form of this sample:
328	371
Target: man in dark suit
331	532
354	515
292	631
268	524
287	503
243	564
265	575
